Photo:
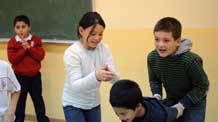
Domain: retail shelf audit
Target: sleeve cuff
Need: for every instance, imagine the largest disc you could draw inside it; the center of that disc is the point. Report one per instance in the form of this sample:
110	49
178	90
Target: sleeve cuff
186	102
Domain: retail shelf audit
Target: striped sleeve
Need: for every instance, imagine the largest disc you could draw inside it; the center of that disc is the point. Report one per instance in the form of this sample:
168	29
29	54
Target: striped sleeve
155	83
199	81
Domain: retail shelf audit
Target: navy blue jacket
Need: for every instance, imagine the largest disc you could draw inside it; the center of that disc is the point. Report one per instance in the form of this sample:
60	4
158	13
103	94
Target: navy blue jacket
156	112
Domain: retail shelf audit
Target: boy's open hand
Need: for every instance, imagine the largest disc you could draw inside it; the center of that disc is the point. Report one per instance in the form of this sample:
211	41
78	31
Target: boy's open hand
157	96
180	108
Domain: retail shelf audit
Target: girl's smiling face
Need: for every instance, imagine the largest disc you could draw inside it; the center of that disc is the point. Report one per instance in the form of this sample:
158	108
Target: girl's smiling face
91	36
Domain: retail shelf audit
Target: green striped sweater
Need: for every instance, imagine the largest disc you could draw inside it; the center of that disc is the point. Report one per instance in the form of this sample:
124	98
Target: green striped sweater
182	76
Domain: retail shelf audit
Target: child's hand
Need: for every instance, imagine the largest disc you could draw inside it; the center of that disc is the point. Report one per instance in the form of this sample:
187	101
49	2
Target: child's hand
25	44
180	108
105	67
157	96
8	117
104	74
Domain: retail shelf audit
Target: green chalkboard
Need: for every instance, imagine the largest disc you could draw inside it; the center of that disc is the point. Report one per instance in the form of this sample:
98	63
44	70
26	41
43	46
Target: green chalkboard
50	19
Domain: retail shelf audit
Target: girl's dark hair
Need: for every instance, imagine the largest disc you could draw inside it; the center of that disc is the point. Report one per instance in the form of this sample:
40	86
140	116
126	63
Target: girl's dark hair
22	18
169	24
90	19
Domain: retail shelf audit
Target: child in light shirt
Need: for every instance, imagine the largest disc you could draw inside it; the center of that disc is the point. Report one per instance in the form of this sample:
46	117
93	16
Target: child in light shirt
8	84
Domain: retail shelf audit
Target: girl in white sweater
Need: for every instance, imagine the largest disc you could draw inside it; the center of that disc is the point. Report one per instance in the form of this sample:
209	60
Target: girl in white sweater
88	63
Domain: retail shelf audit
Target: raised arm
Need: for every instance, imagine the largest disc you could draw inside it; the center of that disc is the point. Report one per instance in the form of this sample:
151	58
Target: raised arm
36	50
15	52
110	64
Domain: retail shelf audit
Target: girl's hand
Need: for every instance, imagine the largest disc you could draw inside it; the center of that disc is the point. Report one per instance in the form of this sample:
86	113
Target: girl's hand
104	74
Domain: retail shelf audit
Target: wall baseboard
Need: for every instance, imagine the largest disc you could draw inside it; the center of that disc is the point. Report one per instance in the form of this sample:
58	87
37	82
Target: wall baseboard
33	118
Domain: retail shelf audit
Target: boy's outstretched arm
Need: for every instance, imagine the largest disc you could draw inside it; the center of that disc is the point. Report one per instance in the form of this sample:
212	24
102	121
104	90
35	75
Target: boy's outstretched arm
10	114
154	81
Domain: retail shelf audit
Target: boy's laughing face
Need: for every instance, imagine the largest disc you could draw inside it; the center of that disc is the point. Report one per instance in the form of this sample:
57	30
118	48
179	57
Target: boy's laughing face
165	44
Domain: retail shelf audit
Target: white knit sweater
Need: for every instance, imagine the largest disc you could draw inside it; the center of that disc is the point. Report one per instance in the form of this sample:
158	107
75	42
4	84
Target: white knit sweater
81	88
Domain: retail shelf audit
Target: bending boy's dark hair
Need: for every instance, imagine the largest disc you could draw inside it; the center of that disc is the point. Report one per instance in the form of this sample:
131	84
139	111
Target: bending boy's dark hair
22	18
169	24
125	94
89	19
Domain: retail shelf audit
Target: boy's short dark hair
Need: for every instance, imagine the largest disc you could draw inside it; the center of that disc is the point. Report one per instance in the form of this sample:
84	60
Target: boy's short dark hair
125	94
169	24
22	18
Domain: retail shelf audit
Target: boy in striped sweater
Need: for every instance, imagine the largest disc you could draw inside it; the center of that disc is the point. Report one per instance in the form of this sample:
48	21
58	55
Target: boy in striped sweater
173	66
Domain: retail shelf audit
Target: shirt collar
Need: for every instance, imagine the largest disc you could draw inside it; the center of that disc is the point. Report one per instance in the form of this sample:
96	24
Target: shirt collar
18	39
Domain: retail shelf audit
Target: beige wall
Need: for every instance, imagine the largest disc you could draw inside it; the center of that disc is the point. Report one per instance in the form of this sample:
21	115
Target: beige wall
129	35
144	13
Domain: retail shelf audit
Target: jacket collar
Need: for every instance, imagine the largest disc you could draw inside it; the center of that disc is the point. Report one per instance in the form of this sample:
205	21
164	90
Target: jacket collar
18	39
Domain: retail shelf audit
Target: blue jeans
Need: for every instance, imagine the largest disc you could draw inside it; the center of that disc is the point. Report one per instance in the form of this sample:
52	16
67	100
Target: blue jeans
73	114
195	113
